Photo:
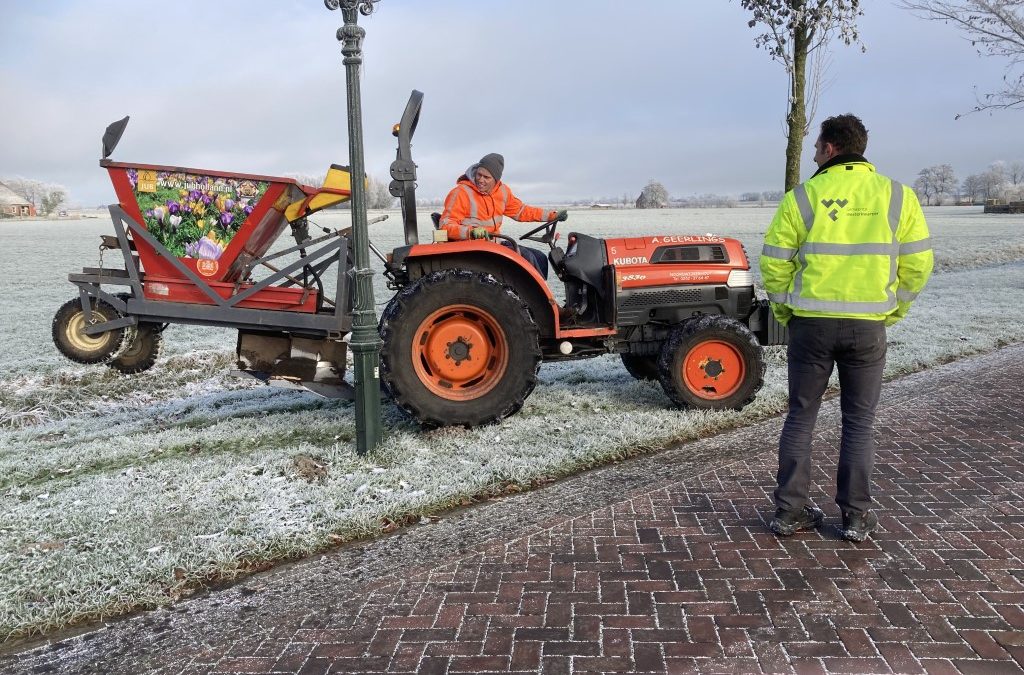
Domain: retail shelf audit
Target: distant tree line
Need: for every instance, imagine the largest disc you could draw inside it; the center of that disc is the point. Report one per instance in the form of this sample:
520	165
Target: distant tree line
45	198
939	185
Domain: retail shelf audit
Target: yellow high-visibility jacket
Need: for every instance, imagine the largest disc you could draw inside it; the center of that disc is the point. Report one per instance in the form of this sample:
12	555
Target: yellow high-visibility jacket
848	242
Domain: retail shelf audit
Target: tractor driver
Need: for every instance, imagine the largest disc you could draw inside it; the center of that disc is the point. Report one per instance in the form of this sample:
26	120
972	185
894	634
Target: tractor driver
476	205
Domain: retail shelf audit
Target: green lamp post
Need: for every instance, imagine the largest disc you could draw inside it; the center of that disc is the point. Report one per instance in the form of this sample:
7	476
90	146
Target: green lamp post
365	341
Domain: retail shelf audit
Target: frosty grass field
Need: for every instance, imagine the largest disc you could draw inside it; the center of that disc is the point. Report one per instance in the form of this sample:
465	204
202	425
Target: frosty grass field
120	492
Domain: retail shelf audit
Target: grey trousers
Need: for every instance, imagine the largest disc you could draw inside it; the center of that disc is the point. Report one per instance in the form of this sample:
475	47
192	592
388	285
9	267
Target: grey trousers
857	347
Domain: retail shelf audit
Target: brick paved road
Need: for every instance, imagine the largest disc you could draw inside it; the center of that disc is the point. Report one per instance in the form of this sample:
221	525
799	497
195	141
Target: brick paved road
679	577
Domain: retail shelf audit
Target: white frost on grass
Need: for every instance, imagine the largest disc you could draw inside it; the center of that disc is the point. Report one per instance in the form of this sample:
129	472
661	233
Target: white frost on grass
182	474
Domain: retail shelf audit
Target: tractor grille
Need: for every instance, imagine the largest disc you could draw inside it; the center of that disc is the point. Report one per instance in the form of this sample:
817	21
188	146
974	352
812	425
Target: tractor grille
691	253
662	298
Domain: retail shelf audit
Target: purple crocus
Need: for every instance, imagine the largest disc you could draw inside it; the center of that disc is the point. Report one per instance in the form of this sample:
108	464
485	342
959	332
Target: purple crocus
173	206
226	218
204	249
247	209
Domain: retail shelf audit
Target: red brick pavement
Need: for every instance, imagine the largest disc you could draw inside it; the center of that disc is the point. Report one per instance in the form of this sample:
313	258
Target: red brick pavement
686	578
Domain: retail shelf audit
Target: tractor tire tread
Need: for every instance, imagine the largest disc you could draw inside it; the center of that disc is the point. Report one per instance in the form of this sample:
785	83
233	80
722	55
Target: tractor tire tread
413	296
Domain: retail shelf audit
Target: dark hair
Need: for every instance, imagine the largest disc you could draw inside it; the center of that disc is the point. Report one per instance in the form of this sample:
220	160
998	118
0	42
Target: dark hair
846	133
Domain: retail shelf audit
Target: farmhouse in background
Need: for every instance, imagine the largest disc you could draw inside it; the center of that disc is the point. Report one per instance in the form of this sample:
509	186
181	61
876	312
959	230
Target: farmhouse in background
12	205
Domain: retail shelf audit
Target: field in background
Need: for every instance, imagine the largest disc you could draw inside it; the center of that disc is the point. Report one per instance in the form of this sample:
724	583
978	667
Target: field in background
123	492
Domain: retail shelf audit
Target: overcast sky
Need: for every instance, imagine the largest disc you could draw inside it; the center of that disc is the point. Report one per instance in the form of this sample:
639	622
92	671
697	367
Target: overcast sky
585	98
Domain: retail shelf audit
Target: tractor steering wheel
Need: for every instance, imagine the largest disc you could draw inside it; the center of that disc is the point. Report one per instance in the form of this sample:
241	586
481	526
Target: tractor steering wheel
548	236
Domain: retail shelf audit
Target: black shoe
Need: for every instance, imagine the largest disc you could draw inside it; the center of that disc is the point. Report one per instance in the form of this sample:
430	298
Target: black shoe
857	526
786	523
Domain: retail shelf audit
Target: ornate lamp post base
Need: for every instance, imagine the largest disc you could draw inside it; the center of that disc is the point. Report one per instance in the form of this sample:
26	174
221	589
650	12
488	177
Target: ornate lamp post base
365	342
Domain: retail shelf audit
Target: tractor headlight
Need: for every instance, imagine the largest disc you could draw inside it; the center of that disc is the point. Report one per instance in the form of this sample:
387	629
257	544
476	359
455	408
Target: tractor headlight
738	278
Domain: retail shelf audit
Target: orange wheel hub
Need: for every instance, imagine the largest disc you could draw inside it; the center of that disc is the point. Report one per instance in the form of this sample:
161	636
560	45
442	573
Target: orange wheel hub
713	370
460	352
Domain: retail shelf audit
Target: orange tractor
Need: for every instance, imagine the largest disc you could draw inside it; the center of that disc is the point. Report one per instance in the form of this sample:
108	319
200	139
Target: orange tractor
469	326
472	320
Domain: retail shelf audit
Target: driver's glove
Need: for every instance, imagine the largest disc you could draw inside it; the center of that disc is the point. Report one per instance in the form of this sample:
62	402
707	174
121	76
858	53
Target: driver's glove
562	216
479	233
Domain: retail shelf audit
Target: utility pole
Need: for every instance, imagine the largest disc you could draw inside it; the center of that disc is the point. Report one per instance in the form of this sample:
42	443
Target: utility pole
365	341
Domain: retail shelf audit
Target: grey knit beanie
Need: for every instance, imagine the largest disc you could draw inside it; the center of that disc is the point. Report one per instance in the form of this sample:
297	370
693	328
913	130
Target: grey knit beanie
494	163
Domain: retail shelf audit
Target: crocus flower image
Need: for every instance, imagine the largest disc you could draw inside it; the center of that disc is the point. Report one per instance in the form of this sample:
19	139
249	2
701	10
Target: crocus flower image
226	218
173	206
204	249
159	213
174	221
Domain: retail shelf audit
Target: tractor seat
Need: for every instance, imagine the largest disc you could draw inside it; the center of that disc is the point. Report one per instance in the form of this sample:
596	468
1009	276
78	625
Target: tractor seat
436	217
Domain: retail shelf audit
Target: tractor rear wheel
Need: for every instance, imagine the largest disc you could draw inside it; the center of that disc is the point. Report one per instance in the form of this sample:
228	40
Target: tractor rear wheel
460	348
69	334
641	367
143	351
712	361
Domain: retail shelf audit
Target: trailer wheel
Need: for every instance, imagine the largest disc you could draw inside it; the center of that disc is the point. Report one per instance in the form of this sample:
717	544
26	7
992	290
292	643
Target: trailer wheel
69	335
143	351
641	367
460	348
712	361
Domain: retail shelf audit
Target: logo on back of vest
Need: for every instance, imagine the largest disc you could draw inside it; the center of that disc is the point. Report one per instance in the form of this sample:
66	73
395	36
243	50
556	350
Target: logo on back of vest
834	213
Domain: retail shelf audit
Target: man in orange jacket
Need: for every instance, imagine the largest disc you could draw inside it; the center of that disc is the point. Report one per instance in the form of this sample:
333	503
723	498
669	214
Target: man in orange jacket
475	207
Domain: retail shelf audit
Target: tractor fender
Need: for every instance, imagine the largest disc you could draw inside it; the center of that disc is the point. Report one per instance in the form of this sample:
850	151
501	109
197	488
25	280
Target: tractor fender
483	256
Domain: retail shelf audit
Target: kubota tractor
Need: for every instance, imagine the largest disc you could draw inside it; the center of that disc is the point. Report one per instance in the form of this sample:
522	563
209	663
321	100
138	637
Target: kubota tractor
470	323
472	320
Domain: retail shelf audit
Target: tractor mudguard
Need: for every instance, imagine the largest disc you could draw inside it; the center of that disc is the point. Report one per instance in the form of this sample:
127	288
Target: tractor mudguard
485	256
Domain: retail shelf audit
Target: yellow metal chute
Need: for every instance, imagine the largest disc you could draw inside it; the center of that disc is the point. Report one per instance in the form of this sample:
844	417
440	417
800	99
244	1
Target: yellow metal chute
336	189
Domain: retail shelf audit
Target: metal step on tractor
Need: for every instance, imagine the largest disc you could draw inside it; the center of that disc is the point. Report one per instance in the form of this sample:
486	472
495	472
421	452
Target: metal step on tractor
469	325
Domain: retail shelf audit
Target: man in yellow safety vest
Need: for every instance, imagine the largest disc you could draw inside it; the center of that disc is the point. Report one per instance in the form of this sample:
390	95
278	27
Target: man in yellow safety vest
844	257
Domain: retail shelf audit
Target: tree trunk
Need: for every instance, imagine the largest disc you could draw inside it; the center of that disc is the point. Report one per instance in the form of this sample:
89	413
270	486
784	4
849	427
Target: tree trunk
796	120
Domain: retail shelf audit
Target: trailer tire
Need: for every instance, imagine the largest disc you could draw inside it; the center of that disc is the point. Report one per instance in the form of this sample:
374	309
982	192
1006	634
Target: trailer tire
713	362
460	348
640	366
142	353
68	331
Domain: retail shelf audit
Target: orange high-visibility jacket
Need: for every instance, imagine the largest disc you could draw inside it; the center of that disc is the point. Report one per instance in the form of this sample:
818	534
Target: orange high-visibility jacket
466	207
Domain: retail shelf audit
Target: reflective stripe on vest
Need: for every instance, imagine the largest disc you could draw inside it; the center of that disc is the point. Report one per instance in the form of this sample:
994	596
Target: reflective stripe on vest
893	250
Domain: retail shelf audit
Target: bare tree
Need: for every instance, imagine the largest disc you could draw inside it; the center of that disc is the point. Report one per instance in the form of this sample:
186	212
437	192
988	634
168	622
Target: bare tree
653	196
378	195
973	187
946	182
1015	173
798	32
994	180
924	186
53	199
995	28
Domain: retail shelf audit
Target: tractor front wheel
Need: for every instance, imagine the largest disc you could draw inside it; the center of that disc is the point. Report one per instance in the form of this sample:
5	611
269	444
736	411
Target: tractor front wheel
460	348
69	334
712	361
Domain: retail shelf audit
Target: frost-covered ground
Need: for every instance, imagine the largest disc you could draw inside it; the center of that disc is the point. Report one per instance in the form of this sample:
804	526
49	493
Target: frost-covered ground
122	492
